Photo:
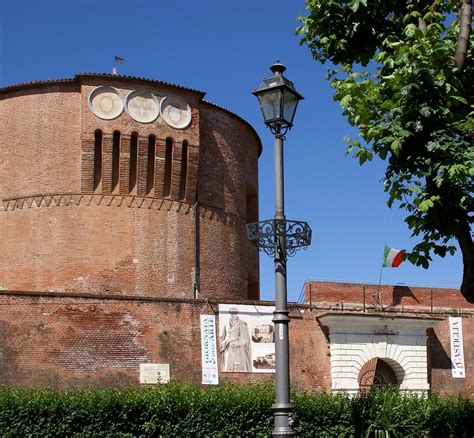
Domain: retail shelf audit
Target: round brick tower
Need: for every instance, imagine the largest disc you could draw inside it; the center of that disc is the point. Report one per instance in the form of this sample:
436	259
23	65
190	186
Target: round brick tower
121	185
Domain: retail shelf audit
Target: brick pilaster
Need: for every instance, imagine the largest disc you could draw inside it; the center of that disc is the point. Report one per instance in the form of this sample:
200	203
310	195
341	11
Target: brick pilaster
87	163
192	174
176	170
160	155
124	179
107	141
142	166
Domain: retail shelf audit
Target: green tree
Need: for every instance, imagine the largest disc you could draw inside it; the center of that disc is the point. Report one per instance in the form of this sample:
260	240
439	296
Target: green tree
404	77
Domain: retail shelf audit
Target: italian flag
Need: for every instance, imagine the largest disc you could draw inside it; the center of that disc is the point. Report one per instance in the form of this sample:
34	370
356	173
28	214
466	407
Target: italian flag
392	257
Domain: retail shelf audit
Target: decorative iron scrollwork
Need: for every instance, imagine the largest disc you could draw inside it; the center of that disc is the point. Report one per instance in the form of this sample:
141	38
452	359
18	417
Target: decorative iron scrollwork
264	235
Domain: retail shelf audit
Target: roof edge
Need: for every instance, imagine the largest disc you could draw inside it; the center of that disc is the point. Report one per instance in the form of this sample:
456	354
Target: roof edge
30	84
79	76
138	78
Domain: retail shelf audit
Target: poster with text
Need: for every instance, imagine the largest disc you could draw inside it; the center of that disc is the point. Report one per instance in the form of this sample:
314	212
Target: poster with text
458	369
246	338
209	350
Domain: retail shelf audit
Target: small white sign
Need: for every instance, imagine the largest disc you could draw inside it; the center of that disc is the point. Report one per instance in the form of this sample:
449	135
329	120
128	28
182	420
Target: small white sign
152	373
457	350
209	350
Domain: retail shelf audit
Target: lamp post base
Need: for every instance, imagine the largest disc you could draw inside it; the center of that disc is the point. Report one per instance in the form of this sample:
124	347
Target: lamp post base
283	421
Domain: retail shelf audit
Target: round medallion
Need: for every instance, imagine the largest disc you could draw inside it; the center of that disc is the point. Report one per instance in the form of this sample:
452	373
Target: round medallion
106	102
176	112
142	106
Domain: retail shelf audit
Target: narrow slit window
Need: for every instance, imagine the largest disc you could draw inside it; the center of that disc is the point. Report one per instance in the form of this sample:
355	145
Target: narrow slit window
184	171
168	166
97	158
150	172
252	289
115	160
133	161
251	204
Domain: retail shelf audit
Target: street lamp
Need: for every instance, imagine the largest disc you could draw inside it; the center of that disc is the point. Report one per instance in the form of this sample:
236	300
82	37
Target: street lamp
279	237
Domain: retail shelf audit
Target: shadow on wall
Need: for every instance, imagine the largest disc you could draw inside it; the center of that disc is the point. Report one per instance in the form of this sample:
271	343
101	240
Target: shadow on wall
226	180
399	292
437	353
211	187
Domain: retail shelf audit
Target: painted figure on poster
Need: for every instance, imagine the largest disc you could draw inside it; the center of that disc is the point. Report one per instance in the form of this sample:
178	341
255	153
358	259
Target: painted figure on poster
235	344
263	333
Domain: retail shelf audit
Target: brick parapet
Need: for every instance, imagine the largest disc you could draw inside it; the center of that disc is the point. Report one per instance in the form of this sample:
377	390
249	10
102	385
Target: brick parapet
398	298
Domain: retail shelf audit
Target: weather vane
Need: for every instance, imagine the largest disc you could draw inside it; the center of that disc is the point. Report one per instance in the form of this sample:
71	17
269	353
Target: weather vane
117	60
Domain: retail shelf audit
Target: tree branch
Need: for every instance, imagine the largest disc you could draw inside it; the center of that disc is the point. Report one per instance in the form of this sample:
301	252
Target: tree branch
465	17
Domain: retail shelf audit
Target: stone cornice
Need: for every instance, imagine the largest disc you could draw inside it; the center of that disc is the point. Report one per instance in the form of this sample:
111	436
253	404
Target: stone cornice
348	322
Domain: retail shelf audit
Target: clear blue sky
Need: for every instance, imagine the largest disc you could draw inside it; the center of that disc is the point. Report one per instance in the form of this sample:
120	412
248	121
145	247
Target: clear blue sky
224	47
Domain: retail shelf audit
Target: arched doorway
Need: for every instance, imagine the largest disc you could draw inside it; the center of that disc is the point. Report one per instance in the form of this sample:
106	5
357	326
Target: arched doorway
376	373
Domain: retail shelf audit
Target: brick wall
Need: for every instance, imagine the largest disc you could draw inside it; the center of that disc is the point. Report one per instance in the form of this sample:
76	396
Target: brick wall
439	363
228	167
38	155
73	339
67	341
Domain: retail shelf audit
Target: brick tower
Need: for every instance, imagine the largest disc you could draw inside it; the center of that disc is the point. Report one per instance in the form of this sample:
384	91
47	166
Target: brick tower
124	186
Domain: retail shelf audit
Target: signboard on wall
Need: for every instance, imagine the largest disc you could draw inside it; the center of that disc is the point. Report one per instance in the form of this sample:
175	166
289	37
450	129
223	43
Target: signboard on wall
246	338
153	373
209	350
457	349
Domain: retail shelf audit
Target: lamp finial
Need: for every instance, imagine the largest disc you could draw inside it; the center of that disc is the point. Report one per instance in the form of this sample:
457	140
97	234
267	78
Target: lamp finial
277	69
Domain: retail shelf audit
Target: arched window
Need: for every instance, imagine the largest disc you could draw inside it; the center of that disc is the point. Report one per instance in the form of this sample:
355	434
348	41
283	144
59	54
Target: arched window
168	167
376	373
115	159
150	171
97	158
133	161
184	171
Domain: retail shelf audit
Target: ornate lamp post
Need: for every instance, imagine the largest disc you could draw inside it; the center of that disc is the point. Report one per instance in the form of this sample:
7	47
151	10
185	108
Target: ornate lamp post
279	237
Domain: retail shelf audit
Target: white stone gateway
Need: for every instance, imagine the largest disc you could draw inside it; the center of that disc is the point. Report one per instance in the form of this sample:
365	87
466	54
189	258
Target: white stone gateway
398	341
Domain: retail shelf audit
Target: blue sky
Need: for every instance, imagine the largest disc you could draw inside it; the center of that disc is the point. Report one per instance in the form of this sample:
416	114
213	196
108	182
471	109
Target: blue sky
224	47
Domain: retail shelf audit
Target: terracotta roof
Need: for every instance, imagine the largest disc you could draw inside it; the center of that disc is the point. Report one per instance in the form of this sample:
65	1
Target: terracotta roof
34	83
103	75
138	78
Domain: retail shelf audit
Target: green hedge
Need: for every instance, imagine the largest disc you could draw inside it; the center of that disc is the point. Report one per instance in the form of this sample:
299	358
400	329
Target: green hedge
227	410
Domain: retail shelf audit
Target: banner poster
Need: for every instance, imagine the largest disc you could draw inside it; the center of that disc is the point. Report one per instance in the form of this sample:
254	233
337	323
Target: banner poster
209	350
246	338
457	351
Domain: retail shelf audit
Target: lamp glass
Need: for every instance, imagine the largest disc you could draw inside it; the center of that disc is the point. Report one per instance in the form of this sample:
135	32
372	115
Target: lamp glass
270	104
290	102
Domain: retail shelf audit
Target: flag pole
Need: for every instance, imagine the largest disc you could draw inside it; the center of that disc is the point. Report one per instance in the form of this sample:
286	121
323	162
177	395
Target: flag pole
378	301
